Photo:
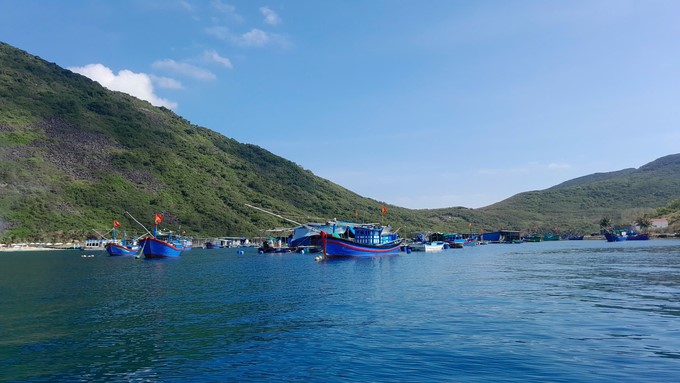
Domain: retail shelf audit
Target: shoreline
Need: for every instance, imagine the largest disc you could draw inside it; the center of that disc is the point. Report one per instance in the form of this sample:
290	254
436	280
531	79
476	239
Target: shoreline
33	248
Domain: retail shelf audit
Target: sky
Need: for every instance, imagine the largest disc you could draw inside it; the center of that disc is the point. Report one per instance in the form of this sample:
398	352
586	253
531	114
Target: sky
419	104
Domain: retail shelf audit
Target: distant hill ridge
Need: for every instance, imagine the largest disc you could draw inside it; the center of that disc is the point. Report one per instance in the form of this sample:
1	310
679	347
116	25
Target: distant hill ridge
74	156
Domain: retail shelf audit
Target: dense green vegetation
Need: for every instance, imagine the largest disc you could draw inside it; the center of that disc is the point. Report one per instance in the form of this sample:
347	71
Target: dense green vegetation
74	156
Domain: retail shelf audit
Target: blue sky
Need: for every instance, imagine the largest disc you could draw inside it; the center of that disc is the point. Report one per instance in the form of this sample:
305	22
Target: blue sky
420	104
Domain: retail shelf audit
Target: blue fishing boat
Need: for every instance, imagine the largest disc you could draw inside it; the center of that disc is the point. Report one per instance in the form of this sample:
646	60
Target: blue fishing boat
625	236
615	236
455	240
368	241
115	249
163	245
125	247
159	248
342	239
637	237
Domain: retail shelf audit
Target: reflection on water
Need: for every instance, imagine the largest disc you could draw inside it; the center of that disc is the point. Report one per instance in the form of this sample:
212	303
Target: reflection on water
558	311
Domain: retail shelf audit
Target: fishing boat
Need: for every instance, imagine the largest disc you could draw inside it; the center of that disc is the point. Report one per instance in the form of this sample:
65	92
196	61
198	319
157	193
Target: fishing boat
163	245
116	249
638	237
212	245
154	247
124	247
273	246
533	238
342	239
615	236
621	234
369	241
550	237
454	240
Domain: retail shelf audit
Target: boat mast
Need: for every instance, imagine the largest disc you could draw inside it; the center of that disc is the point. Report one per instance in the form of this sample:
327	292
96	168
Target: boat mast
275	215
135	219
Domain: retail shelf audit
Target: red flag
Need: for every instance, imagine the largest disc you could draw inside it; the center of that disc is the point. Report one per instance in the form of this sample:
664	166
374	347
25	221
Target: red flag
384	210
116	223
159	219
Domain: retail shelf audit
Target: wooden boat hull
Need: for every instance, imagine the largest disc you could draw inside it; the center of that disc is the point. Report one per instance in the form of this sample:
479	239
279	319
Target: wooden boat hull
115	249
340	247
155	248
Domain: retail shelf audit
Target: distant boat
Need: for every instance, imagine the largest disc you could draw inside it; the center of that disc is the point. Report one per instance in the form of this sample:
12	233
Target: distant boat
434	246
494	236
638	237
455	240
615	236
621	235
472	240
576	237
271	247
428	246
551	237
369	241
533	238
95	244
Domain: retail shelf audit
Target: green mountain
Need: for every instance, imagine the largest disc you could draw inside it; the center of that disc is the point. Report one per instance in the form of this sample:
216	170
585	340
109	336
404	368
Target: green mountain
578	205
74	156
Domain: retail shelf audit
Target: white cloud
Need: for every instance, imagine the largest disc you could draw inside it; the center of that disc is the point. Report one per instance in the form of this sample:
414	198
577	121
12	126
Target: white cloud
213	56
184	69
270	17
139	85
253	38
221	33
227	10
166	82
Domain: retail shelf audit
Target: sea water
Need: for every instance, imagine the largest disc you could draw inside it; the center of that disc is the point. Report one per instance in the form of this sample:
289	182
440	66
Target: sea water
534	312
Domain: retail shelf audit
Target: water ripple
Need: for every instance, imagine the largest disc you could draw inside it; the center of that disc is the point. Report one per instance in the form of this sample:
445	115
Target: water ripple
559	312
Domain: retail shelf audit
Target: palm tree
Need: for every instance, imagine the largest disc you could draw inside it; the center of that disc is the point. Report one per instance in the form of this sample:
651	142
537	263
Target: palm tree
643	223
605	223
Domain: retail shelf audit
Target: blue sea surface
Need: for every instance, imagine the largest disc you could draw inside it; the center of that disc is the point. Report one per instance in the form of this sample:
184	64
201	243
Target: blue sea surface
563	311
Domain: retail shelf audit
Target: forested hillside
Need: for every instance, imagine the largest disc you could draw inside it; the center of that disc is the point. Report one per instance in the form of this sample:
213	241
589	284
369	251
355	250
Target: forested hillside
74	156
578	205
